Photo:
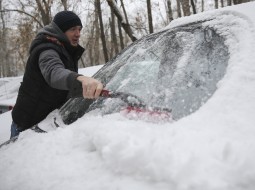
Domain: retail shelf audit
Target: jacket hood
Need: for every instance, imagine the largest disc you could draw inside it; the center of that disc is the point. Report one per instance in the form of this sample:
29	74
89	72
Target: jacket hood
53	30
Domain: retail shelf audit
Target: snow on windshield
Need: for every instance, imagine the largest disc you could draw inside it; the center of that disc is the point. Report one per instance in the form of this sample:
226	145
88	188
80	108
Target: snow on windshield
176	70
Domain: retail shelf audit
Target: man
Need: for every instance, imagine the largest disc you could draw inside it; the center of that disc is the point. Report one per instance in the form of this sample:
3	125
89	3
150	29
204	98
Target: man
51	72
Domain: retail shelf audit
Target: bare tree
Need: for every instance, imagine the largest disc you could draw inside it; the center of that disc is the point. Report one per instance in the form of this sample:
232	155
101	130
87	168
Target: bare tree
149	16
33	15
203	6
2	44
216	5
99	12
38	13
45	10
91	40
185	7
179	12
113	34
8	66
124	24
169	10
124	12
193	6
121	36
25	13
240	1
96	41
64	3
222	3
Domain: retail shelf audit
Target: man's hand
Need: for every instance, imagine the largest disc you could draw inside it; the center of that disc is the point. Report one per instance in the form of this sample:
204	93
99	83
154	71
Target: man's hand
91	87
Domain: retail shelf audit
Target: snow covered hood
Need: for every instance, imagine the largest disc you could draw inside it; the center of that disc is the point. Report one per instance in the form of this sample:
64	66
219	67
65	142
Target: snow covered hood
214	148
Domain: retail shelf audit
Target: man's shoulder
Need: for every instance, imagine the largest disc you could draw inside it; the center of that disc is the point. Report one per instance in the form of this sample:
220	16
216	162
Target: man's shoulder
53	40
44	42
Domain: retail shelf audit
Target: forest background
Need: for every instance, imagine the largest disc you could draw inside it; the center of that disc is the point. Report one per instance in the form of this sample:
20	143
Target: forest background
108	25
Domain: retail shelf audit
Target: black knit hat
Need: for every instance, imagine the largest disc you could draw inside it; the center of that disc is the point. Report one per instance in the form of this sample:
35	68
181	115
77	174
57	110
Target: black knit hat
66	20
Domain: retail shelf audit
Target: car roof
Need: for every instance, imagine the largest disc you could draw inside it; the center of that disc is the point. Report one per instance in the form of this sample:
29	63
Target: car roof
245	10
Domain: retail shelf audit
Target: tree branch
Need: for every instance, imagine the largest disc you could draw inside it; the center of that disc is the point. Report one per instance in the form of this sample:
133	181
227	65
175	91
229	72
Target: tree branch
125	25
22	12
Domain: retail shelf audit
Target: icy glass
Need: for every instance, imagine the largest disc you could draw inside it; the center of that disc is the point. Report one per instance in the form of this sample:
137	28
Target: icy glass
177	69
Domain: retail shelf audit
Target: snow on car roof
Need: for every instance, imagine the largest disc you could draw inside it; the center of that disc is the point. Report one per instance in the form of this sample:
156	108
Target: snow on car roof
245	10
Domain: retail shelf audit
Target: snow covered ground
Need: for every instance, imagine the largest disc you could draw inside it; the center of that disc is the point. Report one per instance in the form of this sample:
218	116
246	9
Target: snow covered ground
8	90
211	149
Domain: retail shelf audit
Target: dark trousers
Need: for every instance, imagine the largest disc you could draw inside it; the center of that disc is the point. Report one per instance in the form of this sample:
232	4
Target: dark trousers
14	130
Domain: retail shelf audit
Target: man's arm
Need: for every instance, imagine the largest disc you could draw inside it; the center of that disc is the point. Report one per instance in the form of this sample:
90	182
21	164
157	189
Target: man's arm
55	74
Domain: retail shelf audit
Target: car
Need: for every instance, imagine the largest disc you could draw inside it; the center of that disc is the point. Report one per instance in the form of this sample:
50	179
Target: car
176	70
8	92
167	75
177	112
5	108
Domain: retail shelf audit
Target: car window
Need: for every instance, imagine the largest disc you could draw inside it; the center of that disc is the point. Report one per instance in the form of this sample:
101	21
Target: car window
177	69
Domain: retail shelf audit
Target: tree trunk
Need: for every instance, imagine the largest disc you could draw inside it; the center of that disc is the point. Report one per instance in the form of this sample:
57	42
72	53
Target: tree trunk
82	62
120	33
149	16
216	5
170	11
64	3
2	43
203	6
185	7
7	63
130	32
240	1
45	11
98	6
222	3
121	36
229	3
193	7
89	45
179	12
96	41
113	34
124	24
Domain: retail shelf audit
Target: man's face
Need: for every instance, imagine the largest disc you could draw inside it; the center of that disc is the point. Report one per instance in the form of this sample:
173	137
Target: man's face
73	35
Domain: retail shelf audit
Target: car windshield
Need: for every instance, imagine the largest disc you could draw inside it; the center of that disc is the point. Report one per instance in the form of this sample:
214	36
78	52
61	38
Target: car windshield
177	69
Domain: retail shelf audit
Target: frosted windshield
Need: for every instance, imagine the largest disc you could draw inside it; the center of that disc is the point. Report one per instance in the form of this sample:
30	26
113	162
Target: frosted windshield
177	69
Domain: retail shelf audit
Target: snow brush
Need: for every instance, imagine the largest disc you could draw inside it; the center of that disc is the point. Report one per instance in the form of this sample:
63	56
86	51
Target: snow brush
137	109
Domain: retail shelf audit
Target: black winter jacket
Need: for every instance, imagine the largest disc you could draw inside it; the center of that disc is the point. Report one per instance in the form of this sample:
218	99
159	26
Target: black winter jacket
37	97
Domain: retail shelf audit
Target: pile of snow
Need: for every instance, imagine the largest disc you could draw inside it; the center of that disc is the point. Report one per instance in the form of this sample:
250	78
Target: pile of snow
212	149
